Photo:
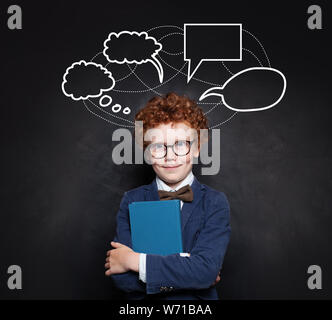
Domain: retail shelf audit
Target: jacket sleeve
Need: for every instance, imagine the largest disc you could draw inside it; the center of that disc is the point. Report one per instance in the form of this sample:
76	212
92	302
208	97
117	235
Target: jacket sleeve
200	269
127	281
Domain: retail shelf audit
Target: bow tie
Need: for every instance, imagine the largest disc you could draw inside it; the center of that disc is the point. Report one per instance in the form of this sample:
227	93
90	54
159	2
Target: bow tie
185	194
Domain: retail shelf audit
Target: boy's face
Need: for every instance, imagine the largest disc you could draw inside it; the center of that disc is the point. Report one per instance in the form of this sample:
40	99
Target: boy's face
173	168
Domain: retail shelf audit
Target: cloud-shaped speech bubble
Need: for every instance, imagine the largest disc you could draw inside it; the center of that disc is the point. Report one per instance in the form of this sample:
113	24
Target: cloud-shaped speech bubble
200	41
238	93
133	47
84	80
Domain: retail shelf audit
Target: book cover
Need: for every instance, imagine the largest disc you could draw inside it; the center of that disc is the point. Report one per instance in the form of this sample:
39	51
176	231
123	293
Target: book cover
156	227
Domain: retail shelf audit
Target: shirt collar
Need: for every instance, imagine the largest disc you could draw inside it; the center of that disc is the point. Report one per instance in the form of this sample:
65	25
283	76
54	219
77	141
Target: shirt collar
163	186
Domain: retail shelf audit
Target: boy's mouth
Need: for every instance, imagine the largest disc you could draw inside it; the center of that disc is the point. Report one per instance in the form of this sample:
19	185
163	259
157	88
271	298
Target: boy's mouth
171	167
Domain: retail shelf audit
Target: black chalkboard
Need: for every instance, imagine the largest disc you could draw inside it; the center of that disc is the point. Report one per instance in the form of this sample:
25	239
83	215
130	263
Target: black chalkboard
61	190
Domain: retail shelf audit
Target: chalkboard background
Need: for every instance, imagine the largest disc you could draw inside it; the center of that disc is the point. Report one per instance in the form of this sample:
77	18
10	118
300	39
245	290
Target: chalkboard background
60	189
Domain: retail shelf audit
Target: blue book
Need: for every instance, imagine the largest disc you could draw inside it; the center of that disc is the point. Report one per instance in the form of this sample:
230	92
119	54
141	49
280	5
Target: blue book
156	226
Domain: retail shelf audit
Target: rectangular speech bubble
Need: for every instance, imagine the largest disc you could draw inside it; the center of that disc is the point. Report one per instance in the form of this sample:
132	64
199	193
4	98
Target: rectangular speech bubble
211	42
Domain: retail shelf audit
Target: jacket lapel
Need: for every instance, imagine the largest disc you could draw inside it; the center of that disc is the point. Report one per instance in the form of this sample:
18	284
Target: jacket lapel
151	191
188	207
151	194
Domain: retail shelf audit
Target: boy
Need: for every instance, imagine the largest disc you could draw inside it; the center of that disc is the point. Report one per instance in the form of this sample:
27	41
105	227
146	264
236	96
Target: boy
172	126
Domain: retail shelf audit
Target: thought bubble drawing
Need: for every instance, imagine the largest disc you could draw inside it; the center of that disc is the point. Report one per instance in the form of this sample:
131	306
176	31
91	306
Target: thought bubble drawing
170	45
133	47
237	92
116	108
105	101
200	41
126	110
84	80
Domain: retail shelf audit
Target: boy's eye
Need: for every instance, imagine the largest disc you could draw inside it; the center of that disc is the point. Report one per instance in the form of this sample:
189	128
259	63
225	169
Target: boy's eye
181	143
157	146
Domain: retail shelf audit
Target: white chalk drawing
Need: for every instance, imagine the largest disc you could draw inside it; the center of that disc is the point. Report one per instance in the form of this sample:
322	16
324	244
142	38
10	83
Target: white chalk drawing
126	110
105	101
165	48
85	67
187	26
218	91
137	56
116	108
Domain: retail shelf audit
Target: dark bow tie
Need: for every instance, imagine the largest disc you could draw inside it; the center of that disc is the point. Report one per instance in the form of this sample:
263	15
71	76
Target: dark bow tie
185	194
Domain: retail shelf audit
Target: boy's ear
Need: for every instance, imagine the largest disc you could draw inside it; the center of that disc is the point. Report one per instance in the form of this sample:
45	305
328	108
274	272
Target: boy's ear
196	150
204	137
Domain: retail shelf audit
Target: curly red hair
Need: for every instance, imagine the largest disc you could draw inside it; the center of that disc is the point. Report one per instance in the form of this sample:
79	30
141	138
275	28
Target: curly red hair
172	108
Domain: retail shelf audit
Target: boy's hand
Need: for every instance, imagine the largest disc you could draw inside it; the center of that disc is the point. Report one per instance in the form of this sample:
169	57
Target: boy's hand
121	259
215	281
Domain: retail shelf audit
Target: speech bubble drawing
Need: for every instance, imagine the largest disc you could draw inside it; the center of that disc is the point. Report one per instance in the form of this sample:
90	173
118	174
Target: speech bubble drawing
200	39
239	85
143	49
84	80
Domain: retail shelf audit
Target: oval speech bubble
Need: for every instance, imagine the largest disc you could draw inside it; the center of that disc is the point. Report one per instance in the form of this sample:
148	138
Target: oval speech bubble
260	76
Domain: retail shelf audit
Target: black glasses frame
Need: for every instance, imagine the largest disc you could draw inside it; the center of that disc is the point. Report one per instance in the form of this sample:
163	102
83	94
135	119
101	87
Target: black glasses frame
166	146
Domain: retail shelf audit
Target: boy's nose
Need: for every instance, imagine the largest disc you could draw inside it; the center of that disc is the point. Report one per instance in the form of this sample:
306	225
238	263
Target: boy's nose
170	155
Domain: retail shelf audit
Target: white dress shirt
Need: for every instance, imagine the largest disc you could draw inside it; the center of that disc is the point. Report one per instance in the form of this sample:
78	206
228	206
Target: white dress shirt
161	185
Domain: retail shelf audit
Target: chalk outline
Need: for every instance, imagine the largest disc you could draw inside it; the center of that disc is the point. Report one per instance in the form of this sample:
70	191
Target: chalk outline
104	105
207	92
126	112
201	60
218	85
156	63
101	91
118	106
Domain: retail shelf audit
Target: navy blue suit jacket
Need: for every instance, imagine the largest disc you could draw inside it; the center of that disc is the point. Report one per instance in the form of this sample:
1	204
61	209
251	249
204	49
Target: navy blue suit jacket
206	230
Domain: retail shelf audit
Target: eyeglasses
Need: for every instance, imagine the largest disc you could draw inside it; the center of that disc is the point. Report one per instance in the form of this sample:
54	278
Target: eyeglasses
180	148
